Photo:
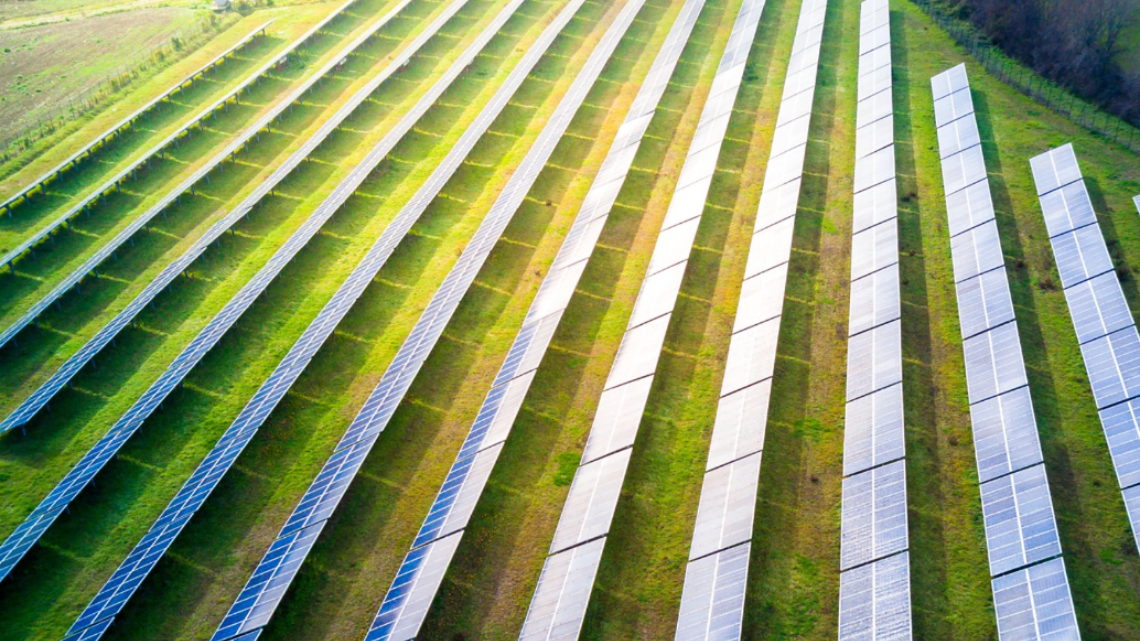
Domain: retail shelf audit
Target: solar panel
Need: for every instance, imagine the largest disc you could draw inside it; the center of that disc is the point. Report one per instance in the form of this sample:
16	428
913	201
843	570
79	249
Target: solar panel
1005	434
1136	201
617	419
874	523
1113	365
875	59
1055	168
673	246
1081	254
976	251
771	247
952	107
559	602
777	204
761	297
1121	424
874	107
969	207
949	81
877	167
873	430
1018	515
1067	208
984	302
1035	603
874	360
790	135
874	249
875	205
963	169
786	167
958	135
458	495
751	356
874	81
728	503
874	300
638	353
1132	505
874	601
413	589
1098	307
712	600
872	138
658	290
741	419
994	364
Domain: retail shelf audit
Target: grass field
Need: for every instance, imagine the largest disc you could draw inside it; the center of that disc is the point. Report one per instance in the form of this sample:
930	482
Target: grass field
793	576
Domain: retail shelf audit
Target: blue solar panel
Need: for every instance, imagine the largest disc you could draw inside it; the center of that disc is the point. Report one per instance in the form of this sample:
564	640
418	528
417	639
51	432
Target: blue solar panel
331	484
59	380
1018	514
267	397
1121	425
1036	604
146	217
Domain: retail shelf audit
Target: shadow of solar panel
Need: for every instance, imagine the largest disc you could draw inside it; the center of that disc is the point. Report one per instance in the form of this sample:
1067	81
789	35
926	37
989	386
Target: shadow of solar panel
994	364
406	604
874	523
563	591
949	81
984	302
1035	603
741	420
875	205
1067	208
1081	254
873	430
712	600
874	601
590	505
1055	168
976	251
874	248
1097	307
727	507
1018	515
969	207
617	418
874	360
874	300
963	169
1005	434
1113	366
751	356
1122	430
952	107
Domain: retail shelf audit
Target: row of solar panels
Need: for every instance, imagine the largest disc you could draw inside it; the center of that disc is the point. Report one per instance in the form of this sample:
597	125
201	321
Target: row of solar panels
30	407
125	123
262	593
406	603
558	606
1103	322
712	599
303	526
115	181
1031	594
874	580
33	527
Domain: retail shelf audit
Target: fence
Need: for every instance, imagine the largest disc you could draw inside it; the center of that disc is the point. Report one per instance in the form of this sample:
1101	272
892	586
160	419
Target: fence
1028	82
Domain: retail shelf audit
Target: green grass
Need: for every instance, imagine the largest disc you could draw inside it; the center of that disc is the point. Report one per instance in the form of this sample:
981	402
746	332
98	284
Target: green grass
793	578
